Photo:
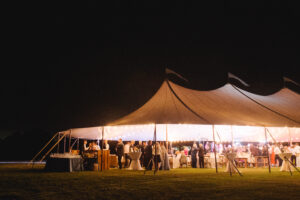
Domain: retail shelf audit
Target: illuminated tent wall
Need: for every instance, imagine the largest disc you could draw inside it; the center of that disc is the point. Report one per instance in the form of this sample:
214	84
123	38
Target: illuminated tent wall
185	114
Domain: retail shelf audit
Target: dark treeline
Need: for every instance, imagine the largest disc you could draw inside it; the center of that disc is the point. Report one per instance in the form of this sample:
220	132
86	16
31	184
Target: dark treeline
24	144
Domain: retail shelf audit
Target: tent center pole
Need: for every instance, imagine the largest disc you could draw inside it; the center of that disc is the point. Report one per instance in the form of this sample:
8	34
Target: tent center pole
216	163
266	138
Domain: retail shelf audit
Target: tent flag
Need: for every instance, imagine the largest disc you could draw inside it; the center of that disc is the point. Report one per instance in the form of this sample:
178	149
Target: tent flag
230	75
169	71
285	79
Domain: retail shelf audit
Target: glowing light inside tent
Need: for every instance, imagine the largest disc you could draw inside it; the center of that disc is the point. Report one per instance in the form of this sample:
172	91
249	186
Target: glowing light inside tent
189	132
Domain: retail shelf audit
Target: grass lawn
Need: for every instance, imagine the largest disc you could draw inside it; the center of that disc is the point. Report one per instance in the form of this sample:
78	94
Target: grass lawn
23	182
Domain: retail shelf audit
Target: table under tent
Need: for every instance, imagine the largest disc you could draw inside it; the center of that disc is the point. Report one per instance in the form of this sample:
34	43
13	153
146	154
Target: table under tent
226	114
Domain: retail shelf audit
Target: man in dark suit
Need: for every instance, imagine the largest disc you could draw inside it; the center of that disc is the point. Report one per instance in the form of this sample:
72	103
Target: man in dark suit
148	156
201	155
120	152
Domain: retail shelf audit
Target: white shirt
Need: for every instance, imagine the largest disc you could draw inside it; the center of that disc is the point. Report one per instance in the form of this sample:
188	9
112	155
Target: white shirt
277	150
297	149
126	148
107	147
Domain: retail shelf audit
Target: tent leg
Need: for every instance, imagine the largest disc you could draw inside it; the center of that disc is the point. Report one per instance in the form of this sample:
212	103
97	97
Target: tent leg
64	136
155	156
65	144
216	163
70	142
77	143
102	149
44	147
267	150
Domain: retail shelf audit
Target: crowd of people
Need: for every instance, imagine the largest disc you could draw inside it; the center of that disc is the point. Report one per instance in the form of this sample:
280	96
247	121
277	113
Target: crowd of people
151	154
158	157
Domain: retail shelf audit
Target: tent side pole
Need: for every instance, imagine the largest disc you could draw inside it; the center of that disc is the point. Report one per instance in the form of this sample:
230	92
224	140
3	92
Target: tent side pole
155	157
266	137
231	136
291	143
44	147
102	148
64	136
167	138
216	163
77	143
65	143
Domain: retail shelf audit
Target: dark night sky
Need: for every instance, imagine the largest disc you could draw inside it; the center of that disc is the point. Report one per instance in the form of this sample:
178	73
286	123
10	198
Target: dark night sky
78	65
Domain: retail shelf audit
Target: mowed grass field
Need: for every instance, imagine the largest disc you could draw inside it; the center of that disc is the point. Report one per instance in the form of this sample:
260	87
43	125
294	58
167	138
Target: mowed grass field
24	182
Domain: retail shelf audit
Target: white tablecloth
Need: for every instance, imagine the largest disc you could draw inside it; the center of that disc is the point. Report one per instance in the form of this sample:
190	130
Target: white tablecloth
229	165
175	161
135	161
298	160
286	166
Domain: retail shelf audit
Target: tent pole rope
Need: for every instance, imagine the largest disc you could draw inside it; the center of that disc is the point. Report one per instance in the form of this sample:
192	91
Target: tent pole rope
266	137
64	136
44	147
216	163
278	113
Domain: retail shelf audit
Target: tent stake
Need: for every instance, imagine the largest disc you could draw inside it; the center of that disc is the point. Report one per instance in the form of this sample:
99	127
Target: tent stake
216	163
267	150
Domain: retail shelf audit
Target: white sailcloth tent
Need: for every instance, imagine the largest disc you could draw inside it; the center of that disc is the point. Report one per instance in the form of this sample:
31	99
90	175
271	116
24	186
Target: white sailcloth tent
183	114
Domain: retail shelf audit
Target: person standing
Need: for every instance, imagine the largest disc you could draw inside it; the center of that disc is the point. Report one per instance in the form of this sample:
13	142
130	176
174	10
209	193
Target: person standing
194	151
201	156
85	148
142	146
120	152
277	151
148	156
164	157
126	153
156	153
106	145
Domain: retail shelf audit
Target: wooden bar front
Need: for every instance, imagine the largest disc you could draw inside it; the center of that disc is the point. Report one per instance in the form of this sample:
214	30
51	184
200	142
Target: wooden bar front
104	158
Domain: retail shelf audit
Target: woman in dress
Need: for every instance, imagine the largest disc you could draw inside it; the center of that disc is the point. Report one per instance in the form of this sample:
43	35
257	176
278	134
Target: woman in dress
165	165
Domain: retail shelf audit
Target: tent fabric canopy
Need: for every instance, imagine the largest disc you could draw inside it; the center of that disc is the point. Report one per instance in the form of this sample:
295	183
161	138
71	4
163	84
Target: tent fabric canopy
224	106
189	115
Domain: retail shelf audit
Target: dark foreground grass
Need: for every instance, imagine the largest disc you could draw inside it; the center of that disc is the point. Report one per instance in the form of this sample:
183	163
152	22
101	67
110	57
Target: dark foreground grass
23	182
